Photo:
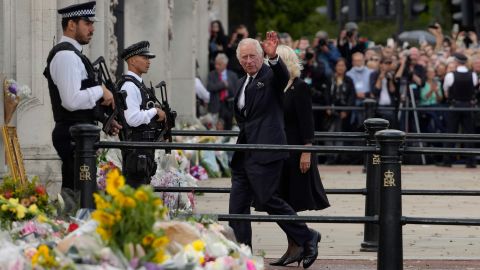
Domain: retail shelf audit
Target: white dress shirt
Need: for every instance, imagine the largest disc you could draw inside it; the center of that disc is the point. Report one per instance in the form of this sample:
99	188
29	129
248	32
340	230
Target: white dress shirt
201	91
133	115
449	78
68	71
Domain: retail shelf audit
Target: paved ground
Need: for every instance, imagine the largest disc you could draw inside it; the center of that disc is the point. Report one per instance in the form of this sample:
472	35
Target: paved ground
424	246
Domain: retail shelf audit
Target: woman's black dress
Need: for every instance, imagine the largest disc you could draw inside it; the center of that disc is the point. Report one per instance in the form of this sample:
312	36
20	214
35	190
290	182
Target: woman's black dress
303	191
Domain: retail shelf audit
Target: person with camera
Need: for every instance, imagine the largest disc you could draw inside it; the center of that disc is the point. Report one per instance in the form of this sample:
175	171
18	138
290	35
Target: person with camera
240	33
142	115
384	91
348	42
410	75
327	53
222	85
459	87
75	93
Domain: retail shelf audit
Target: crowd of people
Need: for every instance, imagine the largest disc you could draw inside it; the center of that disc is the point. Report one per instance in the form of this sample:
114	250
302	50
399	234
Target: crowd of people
346	70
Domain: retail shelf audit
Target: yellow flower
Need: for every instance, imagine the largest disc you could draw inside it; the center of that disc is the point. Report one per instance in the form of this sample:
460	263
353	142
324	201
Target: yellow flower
160	257
42	218
100	202
201	260
198	245
103	218
115	181
4	207
130	202
157	202
160	242
43	257
13	201
141	195
147	240
21	211
33	209
105	234
118	215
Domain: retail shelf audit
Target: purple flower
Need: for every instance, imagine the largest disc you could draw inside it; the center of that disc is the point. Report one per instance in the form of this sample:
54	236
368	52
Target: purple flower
12	88
152	266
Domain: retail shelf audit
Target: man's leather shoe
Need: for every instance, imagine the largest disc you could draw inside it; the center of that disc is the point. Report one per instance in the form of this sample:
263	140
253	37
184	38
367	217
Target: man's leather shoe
311	249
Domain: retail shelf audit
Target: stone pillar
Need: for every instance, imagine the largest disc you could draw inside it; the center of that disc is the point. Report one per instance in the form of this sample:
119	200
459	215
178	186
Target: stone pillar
148	20
201	36
218	10
183	58
33	27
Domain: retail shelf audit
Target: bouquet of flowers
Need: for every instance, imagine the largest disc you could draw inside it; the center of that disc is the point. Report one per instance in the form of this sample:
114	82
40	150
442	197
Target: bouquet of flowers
22	201
13	94
125	218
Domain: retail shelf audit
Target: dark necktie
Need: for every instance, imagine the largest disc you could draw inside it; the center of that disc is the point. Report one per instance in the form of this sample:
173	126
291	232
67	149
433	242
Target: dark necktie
250	79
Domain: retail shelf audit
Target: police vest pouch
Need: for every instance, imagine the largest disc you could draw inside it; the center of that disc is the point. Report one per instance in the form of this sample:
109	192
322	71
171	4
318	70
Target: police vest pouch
140	164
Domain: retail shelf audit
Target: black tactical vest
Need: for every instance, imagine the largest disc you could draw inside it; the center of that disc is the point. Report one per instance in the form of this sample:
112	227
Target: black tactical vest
463	89
60	114
148	100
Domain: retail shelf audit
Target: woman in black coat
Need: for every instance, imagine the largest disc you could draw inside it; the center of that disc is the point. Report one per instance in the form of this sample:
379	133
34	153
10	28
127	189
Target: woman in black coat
301	186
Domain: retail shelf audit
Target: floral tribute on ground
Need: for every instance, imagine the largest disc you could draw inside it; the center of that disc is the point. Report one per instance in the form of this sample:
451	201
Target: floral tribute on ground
130	229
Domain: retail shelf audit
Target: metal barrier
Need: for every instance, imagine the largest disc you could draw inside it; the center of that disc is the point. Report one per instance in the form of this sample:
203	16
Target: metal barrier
389	220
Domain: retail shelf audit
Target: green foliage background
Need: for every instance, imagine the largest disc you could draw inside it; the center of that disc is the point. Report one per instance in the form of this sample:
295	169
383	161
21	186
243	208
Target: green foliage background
300	18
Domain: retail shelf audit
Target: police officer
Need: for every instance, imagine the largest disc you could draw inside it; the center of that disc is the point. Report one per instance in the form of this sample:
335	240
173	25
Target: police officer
459	87
74	90
142	116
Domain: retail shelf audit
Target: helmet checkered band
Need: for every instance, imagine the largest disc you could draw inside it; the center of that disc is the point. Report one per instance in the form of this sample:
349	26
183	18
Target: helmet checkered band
80	13
135	53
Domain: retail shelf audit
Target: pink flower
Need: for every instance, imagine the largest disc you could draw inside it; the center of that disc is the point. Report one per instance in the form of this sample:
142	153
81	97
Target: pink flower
28	228
251	265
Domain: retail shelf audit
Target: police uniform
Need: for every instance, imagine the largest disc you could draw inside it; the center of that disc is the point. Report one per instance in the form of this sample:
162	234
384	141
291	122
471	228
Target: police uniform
141	116
74	90
460	86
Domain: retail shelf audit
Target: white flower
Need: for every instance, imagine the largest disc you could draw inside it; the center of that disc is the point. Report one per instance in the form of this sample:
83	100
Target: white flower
24	92
217	249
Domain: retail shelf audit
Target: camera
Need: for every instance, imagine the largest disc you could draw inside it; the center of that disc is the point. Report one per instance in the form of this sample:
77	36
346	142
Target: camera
350	34
321	42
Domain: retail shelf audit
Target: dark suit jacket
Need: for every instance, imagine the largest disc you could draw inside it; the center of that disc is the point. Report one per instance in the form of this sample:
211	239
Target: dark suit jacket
215	85
263	122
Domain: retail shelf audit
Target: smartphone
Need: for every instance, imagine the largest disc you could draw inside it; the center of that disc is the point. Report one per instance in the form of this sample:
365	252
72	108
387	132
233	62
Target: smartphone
455	28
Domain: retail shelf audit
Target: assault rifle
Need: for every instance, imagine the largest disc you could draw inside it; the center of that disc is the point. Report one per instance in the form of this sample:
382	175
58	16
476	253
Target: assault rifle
165	127
166	134
103	76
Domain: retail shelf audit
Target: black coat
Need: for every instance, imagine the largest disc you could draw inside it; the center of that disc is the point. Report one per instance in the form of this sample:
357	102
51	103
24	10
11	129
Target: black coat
215	85
263	123
303	191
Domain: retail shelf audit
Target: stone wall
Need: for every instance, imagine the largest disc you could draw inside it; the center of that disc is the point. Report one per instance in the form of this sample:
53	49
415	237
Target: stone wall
177	31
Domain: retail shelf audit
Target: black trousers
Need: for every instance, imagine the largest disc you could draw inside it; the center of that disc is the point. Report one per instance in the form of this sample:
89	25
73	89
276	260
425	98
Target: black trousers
63	144
465	120
138	166
245	183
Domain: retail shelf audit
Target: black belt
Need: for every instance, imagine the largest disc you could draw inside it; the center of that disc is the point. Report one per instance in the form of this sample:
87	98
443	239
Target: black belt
146	135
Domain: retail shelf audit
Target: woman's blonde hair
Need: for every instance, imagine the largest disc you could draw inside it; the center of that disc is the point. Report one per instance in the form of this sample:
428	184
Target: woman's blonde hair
291	60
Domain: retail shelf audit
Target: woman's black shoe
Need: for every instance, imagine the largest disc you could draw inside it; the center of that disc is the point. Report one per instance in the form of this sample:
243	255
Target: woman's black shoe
281	261
311	249
296	256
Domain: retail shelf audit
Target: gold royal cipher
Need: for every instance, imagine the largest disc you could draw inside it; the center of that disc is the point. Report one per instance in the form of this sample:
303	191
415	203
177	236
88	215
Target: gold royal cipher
375	159
389	179
85	173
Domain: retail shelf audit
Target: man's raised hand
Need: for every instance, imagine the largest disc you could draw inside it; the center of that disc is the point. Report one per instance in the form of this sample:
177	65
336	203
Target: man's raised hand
270	44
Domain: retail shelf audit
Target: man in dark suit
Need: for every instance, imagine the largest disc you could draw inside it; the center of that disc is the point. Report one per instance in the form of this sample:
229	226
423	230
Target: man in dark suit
222	85
255	175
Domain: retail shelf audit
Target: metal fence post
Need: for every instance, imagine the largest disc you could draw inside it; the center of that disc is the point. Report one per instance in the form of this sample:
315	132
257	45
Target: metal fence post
372	198
390	249
85	174
370	107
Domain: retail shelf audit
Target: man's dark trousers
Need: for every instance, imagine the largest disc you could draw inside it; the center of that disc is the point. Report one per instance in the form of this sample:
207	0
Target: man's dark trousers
243	192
